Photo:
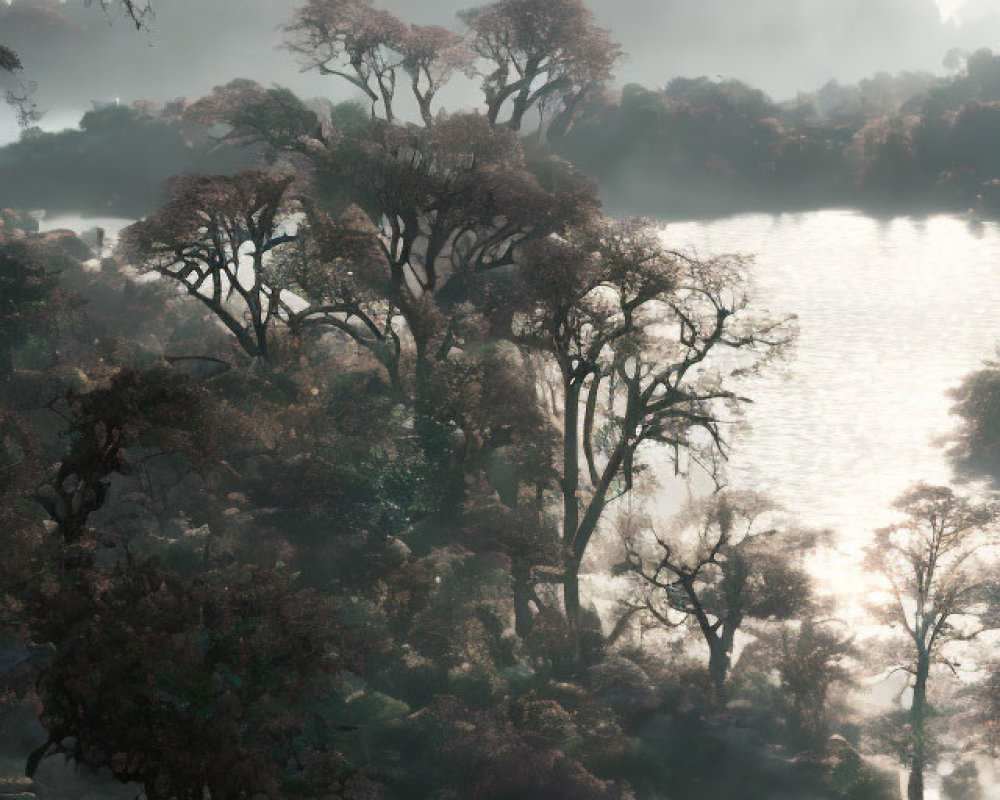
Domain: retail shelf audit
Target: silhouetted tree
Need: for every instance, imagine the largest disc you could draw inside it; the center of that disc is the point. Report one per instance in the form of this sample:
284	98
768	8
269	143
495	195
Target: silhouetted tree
729	573
632	329
545	54
977	402
156	408
215	238
373	50
809	657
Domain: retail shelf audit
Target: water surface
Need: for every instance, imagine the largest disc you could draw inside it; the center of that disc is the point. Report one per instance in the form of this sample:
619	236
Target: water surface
893	313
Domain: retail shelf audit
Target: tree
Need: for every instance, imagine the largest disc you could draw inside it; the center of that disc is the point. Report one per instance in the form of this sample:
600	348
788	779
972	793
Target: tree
454	233
372	49
9	60
417	271
809	657
214	238
351	40
633	330
444	211
810	662
545	54
437	211
152	408
977	402
928	561
178	679
19	96
729	573
186	682
431	55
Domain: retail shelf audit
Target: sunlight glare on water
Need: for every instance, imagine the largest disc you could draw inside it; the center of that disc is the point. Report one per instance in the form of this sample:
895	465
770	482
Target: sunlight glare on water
893	313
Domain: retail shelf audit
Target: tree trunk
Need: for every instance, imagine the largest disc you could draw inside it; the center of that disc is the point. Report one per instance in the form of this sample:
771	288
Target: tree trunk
571	498
721	657
571	592
424	102
718	666
6	361
918	733
436	437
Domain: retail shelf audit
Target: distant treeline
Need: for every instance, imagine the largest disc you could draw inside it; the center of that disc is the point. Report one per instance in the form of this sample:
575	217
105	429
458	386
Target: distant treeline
114	164
706	145
698	147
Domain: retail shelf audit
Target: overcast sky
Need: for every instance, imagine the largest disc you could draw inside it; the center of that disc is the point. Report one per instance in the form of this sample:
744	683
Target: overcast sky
780	46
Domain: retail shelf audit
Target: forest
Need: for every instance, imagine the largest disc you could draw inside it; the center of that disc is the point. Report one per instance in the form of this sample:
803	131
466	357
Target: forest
385	453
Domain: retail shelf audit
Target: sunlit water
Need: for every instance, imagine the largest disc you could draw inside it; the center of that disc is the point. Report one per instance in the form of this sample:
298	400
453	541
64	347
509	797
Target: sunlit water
892	313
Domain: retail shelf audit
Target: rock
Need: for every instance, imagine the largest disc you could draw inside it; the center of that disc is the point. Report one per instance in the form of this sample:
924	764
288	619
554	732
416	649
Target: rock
397	551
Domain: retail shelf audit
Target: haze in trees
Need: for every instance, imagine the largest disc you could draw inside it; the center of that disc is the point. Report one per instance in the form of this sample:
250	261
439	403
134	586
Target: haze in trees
309	486
727	571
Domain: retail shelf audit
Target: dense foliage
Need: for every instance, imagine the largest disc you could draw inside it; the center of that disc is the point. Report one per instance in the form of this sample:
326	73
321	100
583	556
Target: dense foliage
905	142
113	165
301	483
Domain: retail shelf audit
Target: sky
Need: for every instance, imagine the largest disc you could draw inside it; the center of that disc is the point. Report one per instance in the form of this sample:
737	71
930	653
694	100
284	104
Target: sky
780	46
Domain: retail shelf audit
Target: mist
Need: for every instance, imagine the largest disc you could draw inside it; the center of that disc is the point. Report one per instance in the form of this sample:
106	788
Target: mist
779	46
494	417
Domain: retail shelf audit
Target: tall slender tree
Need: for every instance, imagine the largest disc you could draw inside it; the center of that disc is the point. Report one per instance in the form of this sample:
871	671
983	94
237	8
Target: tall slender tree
929	563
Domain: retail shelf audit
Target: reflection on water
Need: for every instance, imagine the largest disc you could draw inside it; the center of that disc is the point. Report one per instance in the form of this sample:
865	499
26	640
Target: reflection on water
893	313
